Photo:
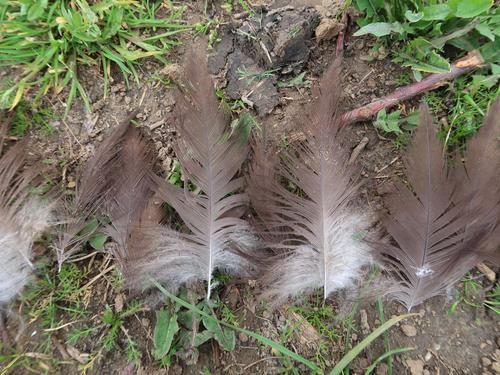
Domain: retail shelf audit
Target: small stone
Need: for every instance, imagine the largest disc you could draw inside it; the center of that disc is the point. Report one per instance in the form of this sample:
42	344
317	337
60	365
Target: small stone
327	29
428	356
382	369
119	303
176	369
416	366
127	100
489	342
364	320
162	153
354	337
409	330
360	45
482	345
71	185
485	361
427	372
436	347
496	367
243	337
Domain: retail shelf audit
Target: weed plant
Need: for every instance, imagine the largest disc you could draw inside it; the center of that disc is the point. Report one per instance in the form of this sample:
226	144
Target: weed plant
49	40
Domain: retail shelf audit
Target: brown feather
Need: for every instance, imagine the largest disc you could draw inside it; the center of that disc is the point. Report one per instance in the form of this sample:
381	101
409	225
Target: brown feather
312	230
210	162
436	224
481	191
218	238
132	187
94	185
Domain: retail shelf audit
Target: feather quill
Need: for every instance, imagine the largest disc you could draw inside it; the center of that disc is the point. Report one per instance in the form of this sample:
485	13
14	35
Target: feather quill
23	217
444	223
313	232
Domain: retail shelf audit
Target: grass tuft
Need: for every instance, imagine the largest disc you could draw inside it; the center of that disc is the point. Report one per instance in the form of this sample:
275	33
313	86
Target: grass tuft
48	41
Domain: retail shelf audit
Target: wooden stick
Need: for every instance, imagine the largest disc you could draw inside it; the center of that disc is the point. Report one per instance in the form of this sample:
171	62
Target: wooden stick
470	62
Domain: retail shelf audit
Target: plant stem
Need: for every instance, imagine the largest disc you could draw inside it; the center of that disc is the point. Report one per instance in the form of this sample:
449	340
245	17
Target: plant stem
470	62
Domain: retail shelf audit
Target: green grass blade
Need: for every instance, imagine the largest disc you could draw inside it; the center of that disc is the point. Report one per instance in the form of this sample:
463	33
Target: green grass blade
280	348
354	352
387	344
388	354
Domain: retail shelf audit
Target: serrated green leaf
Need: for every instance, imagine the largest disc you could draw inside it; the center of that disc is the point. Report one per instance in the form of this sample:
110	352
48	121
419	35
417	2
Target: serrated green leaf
89	228
469	8
202	337
165	329
413	17
225	337
388	123
380	29
436	12
394	115
483	29
382	115
97	241
433	63
491	51
369	6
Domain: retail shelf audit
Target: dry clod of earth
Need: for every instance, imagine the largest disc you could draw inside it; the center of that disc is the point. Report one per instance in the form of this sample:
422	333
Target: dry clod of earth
485	361
496	367
409	330
364	321
382	369
328	29
416	366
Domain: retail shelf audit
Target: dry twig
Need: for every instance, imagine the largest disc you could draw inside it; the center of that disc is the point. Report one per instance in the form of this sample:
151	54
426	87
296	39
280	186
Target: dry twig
470	62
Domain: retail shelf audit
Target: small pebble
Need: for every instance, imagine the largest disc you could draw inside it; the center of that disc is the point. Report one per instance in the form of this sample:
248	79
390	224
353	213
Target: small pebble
485	361
496	367
382	369
364	320
243	337
409	330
